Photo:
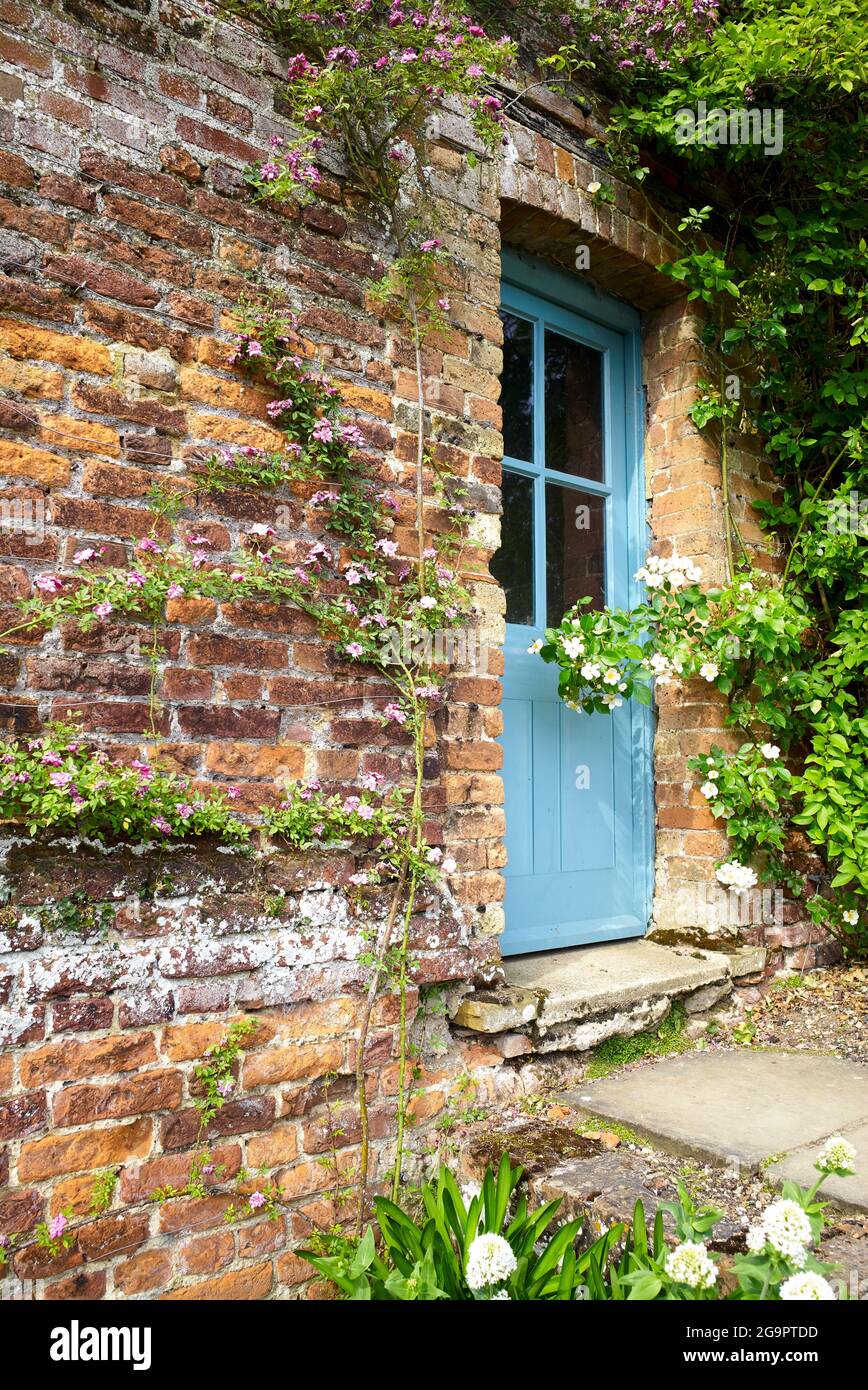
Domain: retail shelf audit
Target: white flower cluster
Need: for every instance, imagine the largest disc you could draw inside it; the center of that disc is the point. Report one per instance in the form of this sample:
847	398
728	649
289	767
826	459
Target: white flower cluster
786	1228
770	751
800	1288
662	668
837	1155
691	1264
676	572
741	877
490	1260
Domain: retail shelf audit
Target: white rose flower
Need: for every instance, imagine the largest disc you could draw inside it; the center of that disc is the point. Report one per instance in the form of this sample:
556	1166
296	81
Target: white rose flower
837	1153
770	751
709	670
801	1288
708	790
713	774
689	1263
676	579
490	1260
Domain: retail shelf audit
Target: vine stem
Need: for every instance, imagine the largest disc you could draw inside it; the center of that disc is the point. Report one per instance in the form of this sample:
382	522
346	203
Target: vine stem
818	489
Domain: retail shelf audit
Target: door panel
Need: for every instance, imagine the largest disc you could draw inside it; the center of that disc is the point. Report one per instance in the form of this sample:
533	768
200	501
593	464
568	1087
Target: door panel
576	785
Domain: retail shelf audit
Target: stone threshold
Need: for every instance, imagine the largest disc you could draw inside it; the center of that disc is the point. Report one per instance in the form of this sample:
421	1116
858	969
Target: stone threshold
571	1000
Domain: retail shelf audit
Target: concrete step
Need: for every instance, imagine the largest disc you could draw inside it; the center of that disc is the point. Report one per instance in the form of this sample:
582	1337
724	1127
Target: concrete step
590	993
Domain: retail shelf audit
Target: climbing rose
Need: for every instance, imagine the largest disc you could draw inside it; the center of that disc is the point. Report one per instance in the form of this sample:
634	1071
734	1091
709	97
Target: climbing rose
490	1260
57	1227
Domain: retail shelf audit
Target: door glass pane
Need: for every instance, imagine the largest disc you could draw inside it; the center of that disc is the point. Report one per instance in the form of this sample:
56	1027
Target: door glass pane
574	407
575	549
516	393
512	566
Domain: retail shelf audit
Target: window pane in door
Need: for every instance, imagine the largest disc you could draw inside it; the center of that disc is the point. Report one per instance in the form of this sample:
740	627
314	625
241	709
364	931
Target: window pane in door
512	566
516	392
575	549
574	407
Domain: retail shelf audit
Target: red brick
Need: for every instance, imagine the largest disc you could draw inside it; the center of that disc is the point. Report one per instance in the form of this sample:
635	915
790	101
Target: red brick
136	1095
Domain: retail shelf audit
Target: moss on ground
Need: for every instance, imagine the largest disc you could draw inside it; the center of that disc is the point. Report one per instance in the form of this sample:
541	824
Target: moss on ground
666	1038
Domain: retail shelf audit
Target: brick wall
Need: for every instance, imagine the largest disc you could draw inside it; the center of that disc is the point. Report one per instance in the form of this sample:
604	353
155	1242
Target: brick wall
126	236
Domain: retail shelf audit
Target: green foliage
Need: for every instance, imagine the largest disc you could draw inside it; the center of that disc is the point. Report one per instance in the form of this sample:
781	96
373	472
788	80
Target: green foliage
617	1051
426	1257
215	1075
60	782
103	1191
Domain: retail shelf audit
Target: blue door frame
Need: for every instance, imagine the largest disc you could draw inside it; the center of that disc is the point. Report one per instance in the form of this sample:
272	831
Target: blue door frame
580	859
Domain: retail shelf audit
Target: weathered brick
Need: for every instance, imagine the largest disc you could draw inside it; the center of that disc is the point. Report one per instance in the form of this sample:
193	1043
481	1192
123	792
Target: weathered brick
136	1095
254	1281
88	1149
71	1060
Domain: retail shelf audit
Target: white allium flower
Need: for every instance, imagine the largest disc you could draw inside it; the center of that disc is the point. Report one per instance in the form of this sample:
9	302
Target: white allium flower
535	647
851	917
770	751
708	790
788	1230
803	1287
689	1263
490	1260
573	647
837	1153
501	1293
709	670
755	1239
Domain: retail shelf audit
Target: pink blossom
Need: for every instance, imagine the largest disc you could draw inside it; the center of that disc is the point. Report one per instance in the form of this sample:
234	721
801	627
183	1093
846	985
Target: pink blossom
58	1226
233	793
198	540
254	349
184	810
136	580
60	779
174	590
48	583
386	547
81	557
103	609
52	760
352	576
395	714
431	245
426	601
257	1200
365	812
355	649
322	431
276	408
149	544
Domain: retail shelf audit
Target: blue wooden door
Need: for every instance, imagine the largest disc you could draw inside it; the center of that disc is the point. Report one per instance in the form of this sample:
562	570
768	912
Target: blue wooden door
577	786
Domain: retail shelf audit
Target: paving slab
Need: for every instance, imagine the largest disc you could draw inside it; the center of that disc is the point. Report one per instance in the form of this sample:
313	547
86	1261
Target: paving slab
589	980
738	1107
798	1166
